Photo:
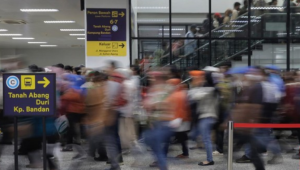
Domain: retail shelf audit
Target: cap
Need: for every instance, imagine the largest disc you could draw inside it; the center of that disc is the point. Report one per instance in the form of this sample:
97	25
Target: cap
174	82
196	73
218	15
212	69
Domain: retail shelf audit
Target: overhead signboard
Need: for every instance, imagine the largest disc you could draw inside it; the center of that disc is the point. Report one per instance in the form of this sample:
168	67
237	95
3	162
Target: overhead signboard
106	32
29	94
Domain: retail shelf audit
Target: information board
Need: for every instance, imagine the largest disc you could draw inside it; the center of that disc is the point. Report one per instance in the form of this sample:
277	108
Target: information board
29	94
106	32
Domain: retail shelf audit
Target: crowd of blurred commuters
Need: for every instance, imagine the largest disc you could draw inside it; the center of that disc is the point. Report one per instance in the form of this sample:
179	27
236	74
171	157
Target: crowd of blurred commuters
112	113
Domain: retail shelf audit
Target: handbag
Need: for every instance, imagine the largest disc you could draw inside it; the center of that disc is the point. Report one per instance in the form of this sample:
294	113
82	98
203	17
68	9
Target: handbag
61	124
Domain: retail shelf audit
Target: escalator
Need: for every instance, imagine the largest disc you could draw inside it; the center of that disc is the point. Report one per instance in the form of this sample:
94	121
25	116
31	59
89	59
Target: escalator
223	50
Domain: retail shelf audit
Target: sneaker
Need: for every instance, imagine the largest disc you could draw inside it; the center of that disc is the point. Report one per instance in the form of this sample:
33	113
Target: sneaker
206	164
120	162
297	148
264	154
34	166
79	157
181	156
216	153
296	156
243	159
100	159
153	165
67	149
292	137
276	159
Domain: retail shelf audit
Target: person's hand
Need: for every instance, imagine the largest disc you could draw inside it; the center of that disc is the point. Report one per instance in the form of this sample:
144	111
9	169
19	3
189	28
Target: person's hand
175	123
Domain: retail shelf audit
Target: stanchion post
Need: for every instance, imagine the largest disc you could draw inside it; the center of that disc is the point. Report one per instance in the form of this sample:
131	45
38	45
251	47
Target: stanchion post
230	145
44	144
16	143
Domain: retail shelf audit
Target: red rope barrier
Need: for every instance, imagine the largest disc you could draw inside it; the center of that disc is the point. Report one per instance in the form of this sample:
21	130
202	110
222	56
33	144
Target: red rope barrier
260	125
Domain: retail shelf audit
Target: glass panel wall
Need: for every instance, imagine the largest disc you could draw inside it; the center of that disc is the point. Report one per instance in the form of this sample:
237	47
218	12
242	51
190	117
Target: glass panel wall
213	32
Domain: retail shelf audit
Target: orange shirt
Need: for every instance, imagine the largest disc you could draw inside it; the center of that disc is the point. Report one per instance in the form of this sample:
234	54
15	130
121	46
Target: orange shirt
178	106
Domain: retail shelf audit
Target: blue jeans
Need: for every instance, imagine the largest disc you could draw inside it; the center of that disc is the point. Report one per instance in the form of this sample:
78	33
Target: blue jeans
264	139
205	126
156	138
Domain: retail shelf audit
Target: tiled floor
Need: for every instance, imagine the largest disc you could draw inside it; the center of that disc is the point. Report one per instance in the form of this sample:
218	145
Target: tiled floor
143	159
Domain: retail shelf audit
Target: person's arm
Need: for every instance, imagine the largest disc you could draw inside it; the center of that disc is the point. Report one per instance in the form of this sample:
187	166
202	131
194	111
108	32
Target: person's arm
199	93
234	16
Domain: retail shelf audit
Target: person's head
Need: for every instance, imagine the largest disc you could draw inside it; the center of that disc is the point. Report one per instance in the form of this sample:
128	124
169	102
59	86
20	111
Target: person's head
69	69
174	84
193	29
255	74
217	15
228	12
198	77
275	2
245	3
164	45
60	65
33	68
135	69
237	6
96	76
157	77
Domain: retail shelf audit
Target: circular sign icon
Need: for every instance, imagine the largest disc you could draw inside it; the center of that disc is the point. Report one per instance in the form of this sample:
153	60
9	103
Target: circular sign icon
115	28
12	82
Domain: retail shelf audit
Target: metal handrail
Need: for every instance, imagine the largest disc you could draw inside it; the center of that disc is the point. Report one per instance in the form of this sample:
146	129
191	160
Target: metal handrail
241	51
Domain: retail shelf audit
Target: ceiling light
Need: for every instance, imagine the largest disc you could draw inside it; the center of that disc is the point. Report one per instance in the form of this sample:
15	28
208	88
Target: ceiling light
72	29
37	42
254	8
169	34
80	38
229	31
10	34
245	21
173	29
151	20
48	45
77	34
150	7
3	30
23	38
39	10
58	22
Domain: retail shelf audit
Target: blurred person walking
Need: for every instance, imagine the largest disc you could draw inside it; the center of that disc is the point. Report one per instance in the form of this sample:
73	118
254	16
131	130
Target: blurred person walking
158	136
177	103
127	124
190	44
97	112
73	100
204	93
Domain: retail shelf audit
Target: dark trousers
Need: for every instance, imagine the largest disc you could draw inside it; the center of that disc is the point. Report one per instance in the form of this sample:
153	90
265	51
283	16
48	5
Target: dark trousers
183	138
113	143
5	123
219	140
74	128
255	157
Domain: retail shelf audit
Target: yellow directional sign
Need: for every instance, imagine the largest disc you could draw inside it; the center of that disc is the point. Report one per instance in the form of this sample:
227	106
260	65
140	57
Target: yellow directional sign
46	82
27	82
106	48
122	14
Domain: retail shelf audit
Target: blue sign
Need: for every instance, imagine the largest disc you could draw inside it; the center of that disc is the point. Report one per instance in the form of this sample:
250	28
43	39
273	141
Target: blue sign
29	94
105	24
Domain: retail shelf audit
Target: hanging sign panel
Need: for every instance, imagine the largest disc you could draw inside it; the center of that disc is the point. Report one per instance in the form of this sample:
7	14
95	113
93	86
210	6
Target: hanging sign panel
106	32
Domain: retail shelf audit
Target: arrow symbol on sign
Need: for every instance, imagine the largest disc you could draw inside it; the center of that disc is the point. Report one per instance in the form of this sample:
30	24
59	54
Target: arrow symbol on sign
46	82
122	45
122	14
